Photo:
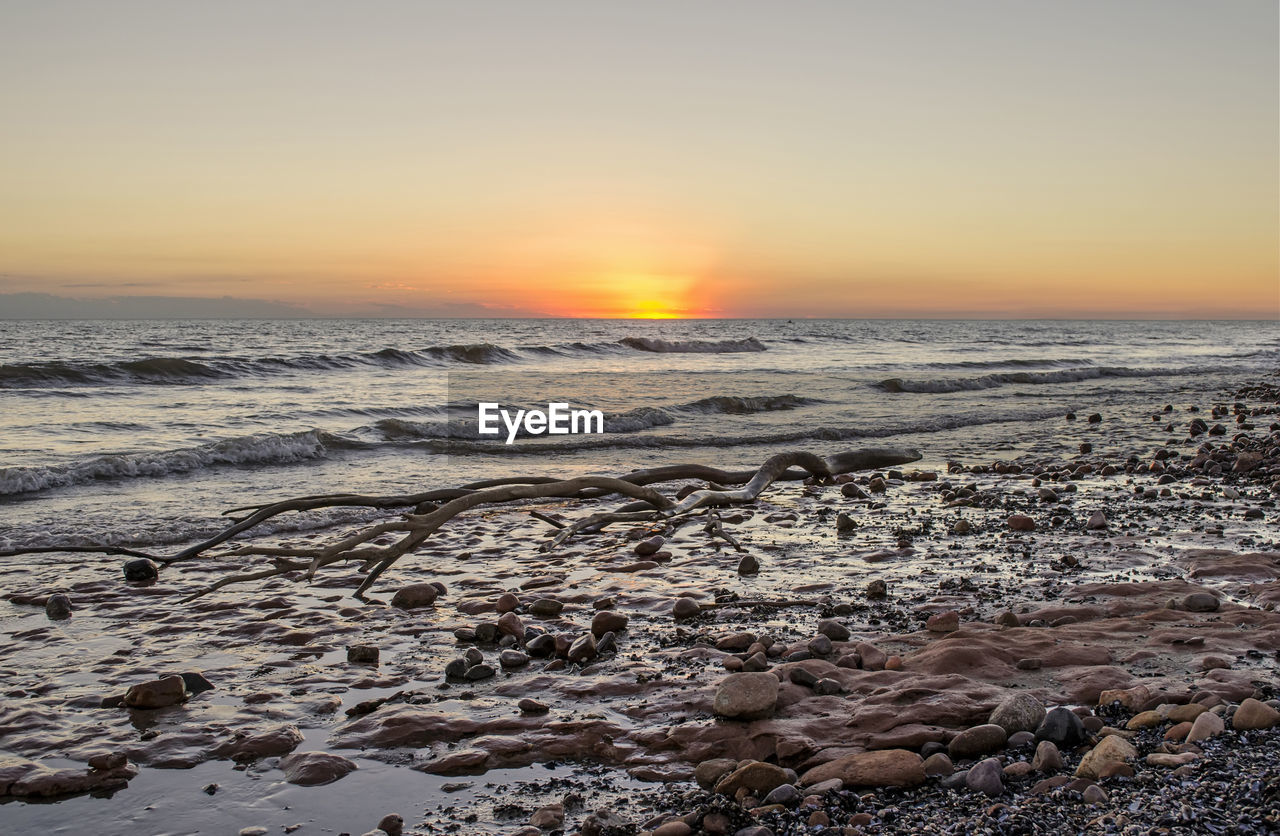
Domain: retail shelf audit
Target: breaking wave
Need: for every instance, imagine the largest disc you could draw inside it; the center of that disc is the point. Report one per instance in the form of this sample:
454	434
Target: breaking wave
263	448
993	381
188	371
657	346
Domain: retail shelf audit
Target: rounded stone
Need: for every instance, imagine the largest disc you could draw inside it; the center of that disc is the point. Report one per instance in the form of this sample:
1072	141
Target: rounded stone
362	654
977	741
685	608
986	777
58	607
312	769
415	595
140	570
608	621
1017	713
1253	714
746	696
1062	727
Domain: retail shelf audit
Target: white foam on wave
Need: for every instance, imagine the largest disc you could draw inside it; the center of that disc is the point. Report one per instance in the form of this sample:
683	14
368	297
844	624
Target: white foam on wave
263	448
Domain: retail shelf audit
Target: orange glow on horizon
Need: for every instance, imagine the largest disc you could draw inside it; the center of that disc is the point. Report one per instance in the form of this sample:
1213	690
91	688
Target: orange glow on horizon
629	296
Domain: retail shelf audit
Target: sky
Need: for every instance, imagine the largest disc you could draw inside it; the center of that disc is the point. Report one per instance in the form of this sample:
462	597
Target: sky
724	158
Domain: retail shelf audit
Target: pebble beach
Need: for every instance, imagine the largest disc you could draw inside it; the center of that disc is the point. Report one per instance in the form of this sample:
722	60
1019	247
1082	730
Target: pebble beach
1081	643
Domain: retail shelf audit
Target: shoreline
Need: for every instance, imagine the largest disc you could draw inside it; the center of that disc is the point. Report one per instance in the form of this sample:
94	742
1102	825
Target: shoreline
1090	605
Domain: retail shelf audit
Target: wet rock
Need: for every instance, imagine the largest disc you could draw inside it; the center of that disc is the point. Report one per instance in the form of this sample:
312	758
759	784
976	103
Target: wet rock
735	642
541	646
881	768
507	602
1111	751
844	522
1047	758
986	776
107	761
1144	720
140	570
803	676
746	696
786	795
456	669
1200	602
709	772
673	828
749	565
312	769
756	776
1170	760
1186	713
1021	522
475	673
961	527
550	817
938	764
1097	521
877	589
195	682
58	607
827	687
530	706
605	823
362	654
608	621
1252	714
650	546
582	649
977	741
273	742
1017	713
509	624
512	659
1094	794
391	824
415	595
834	630
1205	726
943	622
819	646
1129	698
29	779
158	693
873	658
684	608
546	607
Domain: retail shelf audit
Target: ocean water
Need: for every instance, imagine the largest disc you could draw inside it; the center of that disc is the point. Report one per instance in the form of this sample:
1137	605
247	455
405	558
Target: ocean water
142	433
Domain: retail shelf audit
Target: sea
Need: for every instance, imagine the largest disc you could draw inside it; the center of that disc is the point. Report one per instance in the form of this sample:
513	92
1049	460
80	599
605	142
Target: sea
141	433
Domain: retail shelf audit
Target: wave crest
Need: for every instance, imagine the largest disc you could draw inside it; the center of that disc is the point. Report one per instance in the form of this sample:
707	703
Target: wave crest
263	448
946	385
658	346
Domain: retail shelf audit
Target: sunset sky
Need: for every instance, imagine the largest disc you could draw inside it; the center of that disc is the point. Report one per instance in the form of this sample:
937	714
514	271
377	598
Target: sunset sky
715	158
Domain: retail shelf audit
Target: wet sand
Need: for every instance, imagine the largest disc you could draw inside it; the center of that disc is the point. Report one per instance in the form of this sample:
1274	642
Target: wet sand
1170	599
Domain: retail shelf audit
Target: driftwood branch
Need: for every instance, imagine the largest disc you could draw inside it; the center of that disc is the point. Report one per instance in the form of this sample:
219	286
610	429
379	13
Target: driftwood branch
433	509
